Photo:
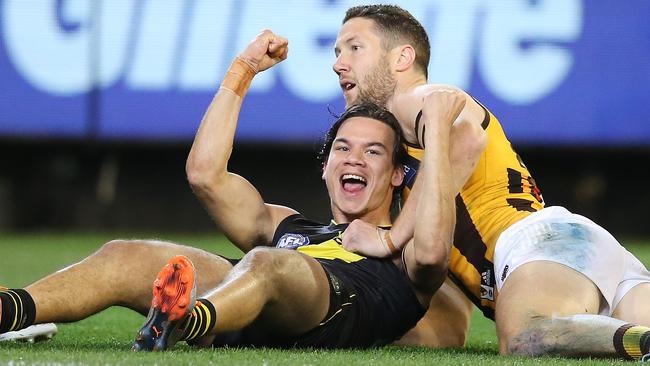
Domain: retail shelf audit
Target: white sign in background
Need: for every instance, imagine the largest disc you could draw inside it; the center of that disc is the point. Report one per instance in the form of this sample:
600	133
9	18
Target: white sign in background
186	45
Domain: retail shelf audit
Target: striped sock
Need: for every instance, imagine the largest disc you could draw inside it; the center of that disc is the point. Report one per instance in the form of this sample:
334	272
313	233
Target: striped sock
18	310
201	320
632	341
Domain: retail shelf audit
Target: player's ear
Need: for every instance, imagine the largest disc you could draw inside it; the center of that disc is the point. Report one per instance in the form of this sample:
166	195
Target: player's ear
398	176
405	57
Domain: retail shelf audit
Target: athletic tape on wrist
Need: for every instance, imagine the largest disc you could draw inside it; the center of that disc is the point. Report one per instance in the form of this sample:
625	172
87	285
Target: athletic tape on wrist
239	76
387	241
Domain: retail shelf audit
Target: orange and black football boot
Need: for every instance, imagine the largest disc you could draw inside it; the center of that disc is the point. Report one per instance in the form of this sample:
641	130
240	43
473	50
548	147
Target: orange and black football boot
174	297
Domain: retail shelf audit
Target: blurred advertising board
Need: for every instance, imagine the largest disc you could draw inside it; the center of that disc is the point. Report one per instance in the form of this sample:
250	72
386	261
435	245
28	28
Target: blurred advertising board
567	72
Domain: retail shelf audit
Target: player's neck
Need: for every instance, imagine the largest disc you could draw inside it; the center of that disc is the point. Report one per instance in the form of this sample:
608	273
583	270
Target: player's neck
373	218
406	83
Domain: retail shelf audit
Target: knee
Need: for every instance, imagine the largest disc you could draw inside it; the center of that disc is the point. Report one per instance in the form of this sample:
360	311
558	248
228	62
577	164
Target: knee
534	340
267	263
119	249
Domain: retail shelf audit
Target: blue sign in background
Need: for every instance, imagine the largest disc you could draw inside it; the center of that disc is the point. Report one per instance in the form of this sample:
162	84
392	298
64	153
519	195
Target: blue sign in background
553	71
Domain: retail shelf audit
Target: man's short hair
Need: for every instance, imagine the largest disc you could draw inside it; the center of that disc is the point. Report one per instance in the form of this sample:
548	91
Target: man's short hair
398	27
372	111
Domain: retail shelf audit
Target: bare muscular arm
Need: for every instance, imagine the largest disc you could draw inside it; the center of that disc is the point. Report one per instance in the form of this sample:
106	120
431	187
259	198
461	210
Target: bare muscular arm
231	200
427	256
468	140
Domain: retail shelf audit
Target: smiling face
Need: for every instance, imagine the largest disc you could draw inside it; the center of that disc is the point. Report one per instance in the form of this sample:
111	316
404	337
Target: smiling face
360	173
362	64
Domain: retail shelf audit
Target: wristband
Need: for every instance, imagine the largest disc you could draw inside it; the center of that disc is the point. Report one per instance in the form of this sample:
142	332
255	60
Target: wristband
238	77
387	241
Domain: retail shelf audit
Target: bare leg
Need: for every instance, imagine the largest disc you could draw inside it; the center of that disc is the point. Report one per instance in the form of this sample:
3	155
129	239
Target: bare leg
547	308
633	308
581	335
283	290
119	273
445	323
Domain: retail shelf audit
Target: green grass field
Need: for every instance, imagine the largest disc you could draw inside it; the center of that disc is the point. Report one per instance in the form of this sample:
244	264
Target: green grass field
105	339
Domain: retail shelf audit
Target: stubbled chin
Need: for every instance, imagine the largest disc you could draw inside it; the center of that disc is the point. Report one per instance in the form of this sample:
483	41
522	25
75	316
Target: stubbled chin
350	99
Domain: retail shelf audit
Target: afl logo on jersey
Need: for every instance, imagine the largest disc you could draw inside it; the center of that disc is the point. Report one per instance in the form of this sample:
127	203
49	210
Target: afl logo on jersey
292	241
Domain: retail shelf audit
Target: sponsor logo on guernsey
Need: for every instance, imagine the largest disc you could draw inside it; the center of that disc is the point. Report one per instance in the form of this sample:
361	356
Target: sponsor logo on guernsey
485	277
505	272
292	241
487	290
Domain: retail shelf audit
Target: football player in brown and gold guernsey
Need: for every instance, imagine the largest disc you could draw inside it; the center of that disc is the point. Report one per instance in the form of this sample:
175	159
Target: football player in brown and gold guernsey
546	276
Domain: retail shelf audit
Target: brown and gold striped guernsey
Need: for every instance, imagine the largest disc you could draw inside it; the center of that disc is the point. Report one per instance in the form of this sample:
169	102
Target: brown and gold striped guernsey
499	193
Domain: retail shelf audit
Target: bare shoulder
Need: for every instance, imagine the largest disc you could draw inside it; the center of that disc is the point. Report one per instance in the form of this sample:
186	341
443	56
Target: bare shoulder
406	107
473	111
423	90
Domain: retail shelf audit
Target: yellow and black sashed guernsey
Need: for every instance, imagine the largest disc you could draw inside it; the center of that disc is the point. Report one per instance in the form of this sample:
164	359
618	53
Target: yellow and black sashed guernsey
371	300
499	193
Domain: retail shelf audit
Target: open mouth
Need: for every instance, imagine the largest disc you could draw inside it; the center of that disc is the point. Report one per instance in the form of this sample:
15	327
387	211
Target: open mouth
353	183
347	86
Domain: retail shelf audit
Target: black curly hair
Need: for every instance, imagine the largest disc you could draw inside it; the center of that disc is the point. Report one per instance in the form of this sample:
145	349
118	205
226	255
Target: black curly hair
371	111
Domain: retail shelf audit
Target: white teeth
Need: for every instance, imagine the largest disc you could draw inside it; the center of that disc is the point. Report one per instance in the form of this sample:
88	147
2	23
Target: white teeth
353	176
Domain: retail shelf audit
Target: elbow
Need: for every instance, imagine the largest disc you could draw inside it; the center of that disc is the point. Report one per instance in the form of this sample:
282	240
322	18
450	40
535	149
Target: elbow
434	259
201	180
195	177
433	247
428	266
429	277
436	265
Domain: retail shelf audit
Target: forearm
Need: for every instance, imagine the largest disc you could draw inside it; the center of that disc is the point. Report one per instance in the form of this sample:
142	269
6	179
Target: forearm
436	210
467	141
427	254
208	159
